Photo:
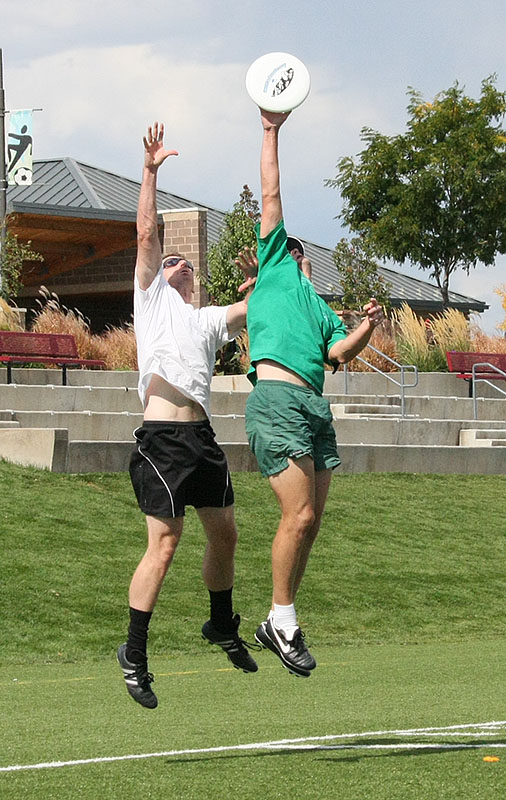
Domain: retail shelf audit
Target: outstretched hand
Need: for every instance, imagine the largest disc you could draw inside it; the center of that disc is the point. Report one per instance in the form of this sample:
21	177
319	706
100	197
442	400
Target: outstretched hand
154	151
273	119
373	312
247	261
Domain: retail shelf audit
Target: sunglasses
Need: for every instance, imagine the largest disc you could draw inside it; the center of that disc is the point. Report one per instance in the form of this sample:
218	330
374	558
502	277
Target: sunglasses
173	262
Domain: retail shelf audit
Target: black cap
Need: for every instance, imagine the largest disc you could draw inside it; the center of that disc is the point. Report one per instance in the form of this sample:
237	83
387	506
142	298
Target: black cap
292	242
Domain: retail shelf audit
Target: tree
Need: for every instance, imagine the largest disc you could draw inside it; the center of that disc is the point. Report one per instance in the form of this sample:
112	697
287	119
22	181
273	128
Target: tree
238	232
435	195
12	255
358	274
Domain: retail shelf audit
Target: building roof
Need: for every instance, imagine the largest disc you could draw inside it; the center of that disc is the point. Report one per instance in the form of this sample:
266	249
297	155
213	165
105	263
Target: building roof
63	186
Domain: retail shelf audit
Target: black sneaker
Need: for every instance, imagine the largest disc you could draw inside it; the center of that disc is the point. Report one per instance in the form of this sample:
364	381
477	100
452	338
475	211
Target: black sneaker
293	652
232	644
137	679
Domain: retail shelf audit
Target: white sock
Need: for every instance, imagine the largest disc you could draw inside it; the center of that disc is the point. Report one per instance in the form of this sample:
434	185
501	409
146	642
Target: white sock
285	618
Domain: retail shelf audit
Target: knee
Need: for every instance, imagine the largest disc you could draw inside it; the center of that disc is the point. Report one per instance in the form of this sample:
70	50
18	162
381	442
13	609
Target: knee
303	520
228	537
162	553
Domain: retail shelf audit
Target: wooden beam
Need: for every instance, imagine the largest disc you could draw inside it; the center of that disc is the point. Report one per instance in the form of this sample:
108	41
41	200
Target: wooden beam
34	272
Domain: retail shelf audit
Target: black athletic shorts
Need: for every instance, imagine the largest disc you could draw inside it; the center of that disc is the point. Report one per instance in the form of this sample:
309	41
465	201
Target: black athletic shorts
176	464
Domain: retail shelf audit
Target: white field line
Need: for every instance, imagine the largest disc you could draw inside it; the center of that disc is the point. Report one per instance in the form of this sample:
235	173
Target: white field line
474	728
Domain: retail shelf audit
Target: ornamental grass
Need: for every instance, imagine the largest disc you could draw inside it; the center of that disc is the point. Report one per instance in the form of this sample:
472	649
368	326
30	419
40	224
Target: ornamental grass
117	346
9	318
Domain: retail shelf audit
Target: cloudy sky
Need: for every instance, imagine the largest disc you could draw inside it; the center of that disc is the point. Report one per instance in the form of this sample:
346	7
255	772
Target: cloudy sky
102	70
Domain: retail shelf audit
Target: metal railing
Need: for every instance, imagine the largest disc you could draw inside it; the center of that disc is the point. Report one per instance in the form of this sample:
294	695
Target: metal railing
475	380
402	368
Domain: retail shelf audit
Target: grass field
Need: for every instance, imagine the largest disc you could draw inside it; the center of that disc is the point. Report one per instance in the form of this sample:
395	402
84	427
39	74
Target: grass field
403	604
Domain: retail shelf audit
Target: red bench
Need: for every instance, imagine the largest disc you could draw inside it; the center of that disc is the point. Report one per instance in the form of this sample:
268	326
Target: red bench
42	348
477	365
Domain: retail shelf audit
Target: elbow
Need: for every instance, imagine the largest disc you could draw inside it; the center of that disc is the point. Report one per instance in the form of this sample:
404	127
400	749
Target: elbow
146	234
338	357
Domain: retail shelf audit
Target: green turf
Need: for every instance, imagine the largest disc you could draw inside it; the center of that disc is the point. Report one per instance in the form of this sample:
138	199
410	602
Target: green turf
403	602
63	712
400	559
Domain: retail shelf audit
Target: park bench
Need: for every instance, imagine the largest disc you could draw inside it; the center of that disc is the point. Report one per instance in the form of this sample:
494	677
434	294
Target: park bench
477	366
21	347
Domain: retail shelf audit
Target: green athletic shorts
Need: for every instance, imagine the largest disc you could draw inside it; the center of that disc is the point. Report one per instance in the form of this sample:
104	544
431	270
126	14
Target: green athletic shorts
285	421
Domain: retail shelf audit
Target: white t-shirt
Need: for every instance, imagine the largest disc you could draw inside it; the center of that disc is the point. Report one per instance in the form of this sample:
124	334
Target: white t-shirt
177	341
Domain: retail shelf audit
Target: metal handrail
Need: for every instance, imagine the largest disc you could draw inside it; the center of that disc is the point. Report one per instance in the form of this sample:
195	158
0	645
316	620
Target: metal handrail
475	380
401	367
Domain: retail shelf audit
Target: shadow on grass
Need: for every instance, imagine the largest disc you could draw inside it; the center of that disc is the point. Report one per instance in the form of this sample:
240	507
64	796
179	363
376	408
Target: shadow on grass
398	749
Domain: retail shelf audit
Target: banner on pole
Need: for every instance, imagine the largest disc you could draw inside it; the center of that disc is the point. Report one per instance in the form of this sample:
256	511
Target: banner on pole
19	148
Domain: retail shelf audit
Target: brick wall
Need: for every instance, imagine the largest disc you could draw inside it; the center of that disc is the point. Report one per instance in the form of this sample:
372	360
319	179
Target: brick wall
185	231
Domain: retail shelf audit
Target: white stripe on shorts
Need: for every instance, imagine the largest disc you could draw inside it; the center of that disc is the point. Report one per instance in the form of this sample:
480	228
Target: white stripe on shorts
158	473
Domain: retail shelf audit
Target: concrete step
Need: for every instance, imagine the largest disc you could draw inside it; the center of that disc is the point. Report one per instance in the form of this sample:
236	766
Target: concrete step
68	398
75	377
93	456
50	449
423	459
423	407
473	437
110	426
83	425
364	409
433	384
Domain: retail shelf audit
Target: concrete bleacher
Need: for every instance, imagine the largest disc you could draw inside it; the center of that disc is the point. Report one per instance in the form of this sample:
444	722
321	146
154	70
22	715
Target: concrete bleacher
87	426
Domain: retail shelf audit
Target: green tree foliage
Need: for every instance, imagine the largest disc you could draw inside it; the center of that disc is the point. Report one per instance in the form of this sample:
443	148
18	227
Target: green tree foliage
358	274
435	195
238	232
12	255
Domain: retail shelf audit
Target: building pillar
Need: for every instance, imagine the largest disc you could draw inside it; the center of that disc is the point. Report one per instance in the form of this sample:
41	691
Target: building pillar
185	232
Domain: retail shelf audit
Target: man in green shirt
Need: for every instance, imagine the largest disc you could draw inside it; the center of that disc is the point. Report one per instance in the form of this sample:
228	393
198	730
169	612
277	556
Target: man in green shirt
292	333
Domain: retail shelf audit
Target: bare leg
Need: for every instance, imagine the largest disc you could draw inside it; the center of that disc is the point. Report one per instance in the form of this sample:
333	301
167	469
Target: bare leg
163	538
221	532
295	491
322	484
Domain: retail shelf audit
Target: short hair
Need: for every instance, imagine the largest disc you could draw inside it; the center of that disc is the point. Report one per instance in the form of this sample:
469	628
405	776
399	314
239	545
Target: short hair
174	254
293	243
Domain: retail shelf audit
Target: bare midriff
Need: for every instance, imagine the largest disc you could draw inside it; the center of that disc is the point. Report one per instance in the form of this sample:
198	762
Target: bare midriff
268	370
165	403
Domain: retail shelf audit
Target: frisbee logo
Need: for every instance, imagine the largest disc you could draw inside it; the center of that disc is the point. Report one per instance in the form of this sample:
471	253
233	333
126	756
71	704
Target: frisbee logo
278	82
283	82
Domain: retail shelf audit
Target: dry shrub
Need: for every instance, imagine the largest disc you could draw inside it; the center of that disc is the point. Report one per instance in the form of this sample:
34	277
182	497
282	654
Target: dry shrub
501	291
382	339
481	343
9	319
451	331
117	347
242	342
415	342
55	318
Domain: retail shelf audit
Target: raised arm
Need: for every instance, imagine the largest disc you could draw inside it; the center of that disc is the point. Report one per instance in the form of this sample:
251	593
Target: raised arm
247	261
346	349
272	211
149	252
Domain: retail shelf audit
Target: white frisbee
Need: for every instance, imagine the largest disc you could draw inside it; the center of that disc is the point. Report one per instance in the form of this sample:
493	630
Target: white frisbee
278	82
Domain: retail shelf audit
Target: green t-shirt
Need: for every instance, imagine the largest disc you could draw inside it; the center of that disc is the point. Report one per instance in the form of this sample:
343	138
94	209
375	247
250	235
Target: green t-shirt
288	322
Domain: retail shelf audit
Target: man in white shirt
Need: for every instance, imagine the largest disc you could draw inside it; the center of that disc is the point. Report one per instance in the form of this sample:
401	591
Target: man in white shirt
177	461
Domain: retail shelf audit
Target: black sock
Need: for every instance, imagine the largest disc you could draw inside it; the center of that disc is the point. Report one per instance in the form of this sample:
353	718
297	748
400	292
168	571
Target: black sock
137	635
221	610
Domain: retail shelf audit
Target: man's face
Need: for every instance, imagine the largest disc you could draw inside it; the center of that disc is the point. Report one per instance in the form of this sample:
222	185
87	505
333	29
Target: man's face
178	272
297	255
